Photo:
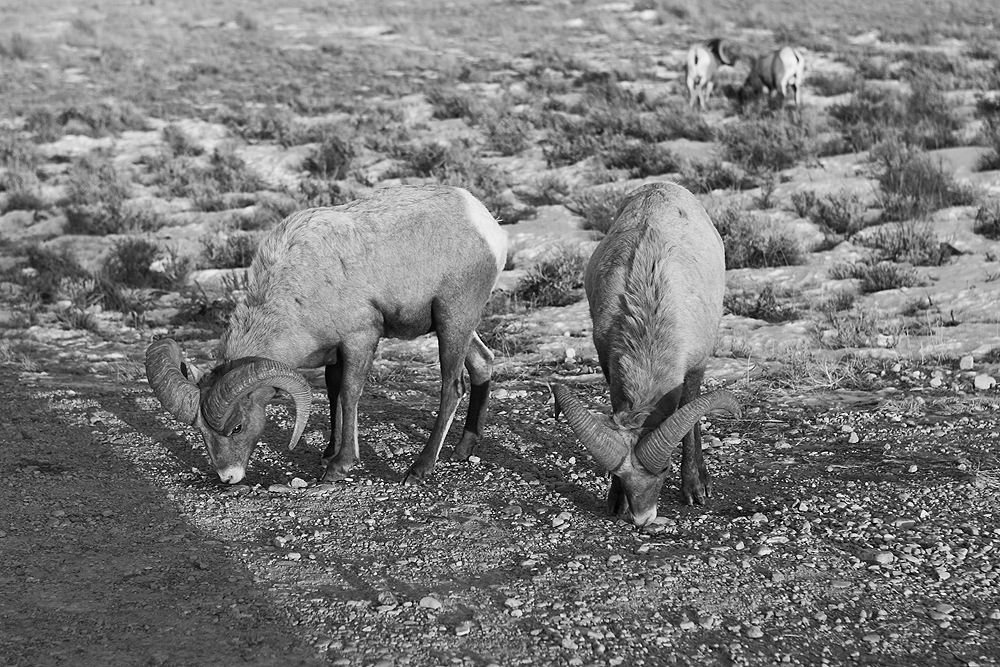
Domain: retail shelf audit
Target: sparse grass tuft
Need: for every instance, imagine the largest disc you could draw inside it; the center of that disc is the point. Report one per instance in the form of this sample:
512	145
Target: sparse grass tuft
753	242
554	281
179	143
506	133
450	103
857	328
804	202
47	269
97	192
829	85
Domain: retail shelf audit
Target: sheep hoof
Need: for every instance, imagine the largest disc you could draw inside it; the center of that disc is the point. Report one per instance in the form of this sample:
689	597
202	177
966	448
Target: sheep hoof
415	476
463	450
696	493
335	474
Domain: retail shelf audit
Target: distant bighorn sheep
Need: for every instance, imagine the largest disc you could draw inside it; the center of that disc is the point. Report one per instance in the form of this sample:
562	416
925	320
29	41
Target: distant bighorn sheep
325	286
655	285
777	72
703	59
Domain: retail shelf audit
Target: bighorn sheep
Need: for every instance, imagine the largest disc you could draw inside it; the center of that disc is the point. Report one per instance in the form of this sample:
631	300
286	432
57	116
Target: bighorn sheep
655	285
776	71
703	59
325	286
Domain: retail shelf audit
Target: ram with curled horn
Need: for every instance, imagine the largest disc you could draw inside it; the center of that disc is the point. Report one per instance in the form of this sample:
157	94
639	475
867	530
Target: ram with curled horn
776	72
325	286
655	285
703	61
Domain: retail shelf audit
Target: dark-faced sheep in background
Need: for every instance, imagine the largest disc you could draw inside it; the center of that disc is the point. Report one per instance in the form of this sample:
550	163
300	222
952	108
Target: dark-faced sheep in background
655	285
324	287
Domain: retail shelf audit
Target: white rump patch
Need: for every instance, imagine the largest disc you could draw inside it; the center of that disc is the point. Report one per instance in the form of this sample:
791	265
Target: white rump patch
488	228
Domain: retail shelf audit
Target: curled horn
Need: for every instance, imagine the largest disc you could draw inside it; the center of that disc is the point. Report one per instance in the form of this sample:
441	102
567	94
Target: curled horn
250	377
178	394
606	446
725	52
653	451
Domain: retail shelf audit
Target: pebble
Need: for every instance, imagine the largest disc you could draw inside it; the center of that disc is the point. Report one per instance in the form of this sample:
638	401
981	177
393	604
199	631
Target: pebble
854	438
966	363
429	602
944	608
512	603
872	637
876	556
298	483
463	628
279	488
762	550
753	632
293	555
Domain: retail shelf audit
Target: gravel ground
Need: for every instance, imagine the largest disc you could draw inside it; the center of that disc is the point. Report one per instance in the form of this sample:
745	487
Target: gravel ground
845	527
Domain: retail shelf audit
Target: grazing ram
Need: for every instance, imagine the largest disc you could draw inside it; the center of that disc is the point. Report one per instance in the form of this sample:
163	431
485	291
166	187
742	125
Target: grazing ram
655	285
325	286
777	72
703	59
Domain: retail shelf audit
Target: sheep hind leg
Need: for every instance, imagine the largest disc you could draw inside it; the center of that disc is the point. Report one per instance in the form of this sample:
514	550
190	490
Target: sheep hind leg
334	381
452	352
357	361
696	485
479	363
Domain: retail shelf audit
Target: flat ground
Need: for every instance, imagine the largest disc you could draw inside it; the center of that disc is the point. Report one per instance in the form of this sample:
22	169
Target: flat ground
854	517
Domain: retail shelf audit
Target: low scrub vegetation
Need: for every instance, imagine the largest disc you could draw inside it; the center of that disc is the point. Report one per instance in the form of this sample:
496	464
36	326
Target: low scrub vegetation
760	304
554	281
753	242
598	206
911	184
136	262
229	250
987	221
333	157
841	213
769	142
909	241
874	275
704	177
97	200
855	328
923	118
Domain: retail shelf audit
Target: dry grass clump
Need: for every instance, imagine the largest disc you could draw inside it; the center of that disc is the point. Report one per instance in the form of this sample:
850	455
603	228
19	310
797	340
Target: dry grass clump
96	200
136	262
909	241
856	328
333	157
99	119
988	109
839	212
220	182
229	250
705	177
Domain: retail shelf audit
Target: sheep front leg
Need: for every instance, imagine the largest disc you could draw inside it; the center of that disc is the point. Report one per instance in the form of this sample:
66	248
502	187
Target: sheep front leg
357	361
696	485
479	363
451	392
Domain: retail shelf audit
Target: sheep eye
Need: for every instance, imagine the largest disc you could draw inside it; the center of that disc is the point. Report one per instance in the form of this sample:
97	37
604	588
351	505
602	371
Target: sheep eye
237	429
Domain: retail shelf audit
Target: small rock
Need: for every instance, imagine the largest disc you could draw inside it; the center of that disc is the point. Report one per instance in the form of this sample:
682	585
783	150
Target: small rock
944	607
984	382
387	598
854	438
758	518
753	632
912	468
840	583
293	555
994	615
762	550
429	602
942	573
966	362
463	628
687	624
298	483
279	488
569	644
512	603
872	638
876	556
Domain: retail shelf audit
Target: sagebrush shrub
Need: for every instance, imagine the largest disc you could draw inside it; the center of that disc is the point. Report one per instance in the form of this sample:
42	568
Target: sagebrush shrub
704	177
773	143
987	221
874	275
554	281
598	206
136	262
759	305
909	241
911	184
333	157
231	250
841	212
97	192
754	242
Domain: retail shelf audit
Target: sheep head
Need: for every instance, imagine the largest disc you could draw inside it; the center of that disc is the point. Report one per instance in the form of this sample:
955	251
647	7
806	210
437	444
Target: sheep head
228	404
638	459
